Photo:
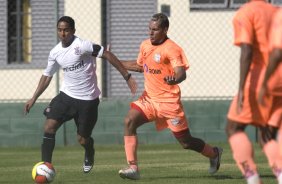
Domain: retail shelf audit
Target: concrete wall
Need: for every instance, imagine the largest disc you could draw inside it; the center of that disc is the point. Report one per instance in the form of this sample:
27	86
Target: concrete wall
206	120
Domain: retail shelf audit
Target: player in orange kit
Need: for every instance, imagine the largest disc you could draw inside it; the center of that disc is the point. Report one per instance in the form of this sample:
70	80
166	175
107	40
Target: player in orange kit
272	84
164	65
251	27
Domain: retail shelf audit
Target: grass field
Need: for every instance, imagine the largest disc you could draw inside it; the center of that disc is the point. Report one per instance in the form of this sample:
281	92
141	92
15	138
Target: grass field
159	164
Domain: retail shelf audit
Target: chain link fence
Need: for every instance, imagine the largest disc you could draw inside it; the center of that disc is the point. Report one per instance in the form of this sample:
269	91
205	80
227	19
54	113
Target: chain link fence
29	33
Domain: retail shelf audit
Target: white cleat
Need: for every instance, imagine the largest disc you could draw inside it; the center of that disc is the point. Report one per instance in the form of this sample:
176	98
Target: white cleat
215	162
129	173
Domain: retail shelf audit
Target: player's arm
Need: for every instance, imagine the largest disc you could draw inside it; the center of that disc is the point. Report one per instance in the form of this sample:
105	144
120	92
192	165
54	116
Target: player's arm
245	63
41	87
274	58
132	66
178	77
109	56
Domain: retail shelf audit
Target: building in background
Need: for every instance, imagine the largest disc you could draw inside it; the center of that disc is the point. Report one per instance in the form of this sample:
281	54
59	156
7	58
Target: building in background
203	28
28	31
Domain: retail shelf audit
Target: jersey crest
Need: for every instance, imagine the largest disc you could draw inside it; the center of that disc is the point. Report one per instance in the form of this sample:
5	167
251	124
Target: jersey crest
157	58
77	50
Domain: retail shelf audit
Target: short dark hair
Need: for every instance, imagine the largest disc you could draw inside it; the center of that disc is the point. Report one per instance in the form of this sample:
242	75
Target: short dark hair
162	19
68	20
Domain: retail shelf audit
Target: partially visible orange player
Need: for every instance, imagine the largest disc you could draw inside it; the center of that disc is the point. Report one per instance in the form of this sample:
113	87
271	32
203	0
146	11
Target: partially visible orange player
272	83
164	65
251	27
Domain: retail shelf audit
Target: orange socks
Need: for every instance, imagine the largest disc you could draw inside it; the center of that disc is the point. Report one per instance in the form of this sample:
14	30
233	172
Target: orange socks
243	153
130	145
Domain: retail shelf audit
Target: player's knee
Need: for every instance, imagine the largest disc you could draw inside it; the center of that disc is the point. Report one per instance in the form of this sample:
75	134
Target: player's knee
186	145
81	140
194	144
233	127
51	126
267	134
128	122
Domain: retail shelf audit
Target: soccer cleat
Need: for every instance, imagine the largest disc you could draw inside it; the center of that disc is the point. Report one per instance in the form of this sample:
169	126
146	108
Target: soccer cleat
215	162
129	173
89	159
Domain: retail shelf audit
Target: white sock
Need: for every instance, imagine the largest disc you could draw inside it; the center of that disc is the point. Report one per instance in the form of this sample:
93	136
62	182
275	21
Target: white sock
279	178
254	179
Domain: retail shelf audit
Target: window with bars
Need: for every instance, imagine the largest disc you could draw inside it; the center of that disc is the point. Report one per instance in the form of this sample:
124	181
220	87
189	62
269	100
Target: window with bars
223	4
19	31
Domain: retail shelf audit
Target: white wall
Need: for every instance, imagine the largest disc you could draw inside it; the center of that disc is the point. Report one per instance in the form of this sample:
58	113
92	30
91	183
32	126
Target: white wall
206	37
22	83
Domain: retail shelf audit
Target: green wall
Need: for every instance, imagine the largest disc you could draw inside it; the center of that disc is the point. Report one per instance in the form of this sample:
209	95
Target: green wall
207	120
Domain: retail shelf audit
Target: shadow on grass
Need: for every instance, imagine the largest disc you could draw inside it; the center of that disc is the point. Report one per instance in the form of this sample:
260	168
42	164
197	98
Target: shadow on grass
216	177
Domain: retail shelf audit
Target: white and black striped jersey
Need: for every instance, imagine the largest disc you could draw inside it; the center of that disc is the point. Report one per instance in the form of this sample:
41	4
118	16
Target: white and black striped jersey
79	68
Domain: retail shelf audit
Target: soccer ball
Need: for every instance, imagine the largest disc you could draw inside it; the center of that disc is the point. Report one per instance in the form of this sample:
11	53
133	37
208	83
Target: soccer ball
43	172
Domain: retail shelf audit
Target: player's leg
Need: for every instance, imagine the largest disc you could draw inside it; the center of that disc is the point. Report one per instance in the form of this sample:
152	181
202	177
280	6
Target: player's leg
55	116
279	139
192	143
132	121
242	150
179	127
268	137
85	120
48	144
89	152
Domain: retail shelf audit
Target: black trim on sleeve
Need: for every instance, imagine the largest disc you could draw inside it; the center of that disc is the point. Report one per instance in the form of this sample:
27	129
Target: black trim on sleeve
127	77
96	50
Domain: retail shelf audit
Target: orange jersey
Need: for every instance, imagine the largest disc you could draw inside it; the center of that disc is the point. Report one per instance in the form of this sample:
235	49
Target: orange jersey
251	26
275	42
158	62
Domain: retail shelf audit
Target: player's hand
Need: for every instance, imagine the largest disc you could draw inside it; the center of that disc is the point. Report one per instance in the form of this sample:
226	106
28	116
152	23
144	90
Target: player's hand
262	93
132	85
108	47
240	101
28	105
170	80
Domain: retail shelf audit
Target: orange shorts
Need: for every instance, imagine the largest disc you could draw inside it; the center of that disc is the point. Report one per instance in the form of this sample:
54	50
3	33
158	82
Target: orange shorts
275	118
165	115
252	112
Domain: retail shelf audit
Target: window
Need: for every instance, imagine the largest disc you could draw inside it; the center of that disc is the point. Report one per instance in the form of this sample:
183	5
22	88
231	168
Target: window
237	3
208	4
276	2
222	4
165	9
19	31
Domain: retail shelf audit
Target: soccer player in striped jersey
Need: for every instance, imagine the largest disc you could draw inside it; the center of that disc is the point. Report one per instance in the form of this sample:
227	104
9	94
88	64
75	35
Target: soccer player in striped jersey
79	93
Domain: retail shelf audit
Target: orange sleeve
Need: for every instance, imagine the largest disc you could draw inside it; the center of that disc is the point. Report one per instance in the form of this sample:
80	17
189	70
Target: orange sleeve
275	39
140	58
177	57
243	29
